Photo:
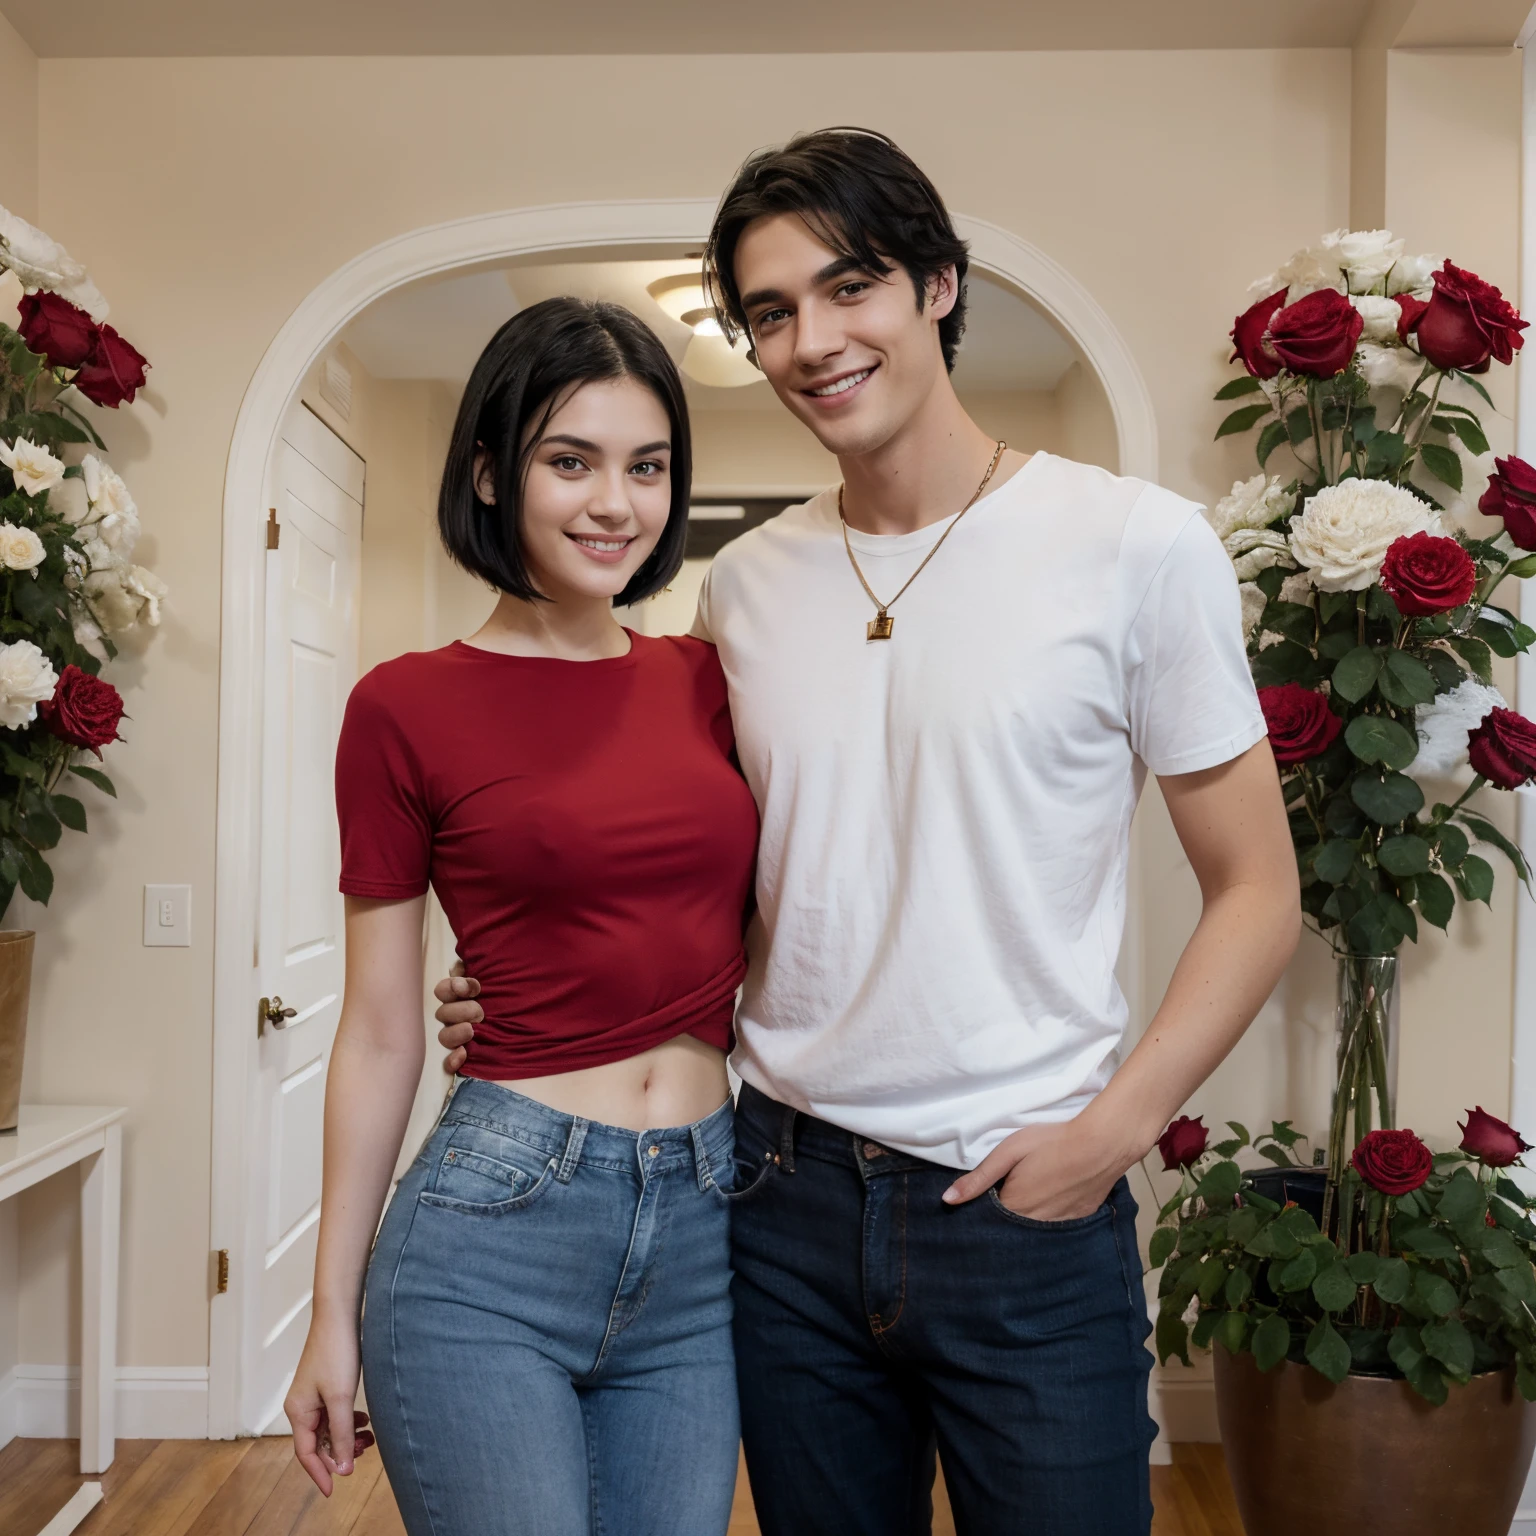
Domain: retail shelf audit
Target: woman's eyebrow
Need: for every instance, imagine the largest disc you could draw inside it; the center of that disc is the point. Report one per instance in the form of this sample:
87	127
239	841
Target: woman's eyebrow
586	446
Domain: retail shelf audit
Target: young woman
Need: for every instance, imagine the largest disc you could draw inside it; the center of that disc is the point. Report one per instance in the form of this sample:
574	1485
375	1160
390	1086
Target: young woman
546	1338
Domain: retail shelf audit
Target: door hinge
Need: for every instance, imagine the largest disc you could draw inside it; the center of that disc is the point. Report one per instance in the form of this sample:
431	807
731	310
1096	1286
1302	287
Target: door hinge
223	1280
274	528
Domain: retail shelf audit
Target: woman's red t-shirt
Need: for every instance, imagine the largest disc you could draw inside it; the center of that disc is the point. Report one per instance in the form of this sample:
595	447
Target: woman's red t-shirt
583	825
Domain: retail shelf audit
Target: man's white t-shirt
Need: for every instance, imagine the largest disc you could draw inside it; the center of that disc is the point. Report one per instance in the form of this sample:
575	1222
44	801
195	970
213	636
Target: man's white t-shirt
941	882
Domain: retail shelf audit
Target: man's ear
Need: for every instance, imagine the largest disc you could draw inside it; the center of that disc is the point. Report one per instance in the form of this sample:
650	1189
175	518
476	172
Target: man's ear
485	475
941	291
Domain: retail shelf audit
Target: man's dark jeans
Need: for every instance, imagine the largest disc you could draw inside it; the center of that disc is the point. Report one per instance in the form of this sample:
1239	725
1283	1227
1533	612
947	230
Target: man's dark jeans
875	1325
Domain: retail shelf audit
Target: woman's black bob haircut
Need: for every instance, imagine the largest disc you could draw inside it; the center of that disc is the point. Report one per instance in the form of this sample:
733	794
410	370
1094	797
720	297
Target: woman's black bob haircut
862	197
531	366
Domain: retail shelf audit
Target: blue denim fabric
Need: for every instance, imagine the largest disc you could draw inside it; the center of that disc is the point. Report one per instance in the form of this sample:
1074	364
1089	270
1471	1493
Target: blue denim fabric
875	1325
546	1332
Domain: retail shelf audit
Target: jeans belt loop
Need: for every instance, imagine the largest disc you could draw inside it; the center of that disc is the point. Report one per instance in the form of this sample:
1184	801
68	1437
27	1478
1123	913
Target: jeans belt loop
786	1158
572	1149
701	1160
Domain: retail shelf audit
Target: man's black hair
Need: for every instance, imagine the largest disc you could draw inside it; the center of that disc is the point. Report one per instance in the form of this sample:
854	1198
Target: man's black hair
862	197
530	367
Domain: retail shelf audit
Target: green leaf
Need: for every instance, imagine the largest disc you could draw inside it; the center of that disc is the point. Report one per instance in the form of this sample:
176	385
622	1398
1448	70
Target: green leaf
1283	663
1450	843
1231	1331
1271	1342
1364	1268
1334	860
1376	739
69	811
1435	900
1393	1281
1172	1337
1220	1183
1466	378
1242	418
1356	674
1474	879
1486	832
1245	384
36	879
1298	425
1334	1289
1239	1287
98	778
22	767
1239	1130
1428	1243
1406	854
1450	1344
41	828
1161	1246
1405	680
1204	1330
1298	1273
1468	430
1277	1155
1442	463
1499	638
1462	1199
1270	438
1524	566
1327	1353
1476	655
1384	453
1436	1292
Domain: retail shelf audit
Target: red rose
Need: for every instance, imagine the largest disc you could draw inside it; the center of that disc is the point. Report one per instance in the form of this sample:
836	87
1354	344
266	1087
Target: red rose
1425	574
114	372
1465	322
1248	337
84	711
1490	1140
1393	1162
56	329
1301	725
1503	749
1316	335
1408	311
1511	494
1183	1142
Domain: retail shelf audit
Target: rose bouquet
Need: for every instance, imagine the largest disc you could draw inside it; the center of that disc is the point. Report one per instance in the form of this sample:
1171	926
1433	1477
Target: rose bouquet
1437	1286
1368	580
68	527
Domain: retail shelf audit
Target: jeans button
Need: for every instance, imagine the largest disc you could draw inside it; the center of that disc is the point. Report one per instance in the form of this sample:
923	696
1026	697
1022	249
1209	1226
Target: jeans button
873	1149
652	1151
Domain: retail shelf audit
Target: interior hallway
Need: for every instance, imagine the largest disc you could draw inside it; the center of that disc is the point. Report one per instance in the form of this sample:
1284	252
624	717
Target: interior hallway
255	1488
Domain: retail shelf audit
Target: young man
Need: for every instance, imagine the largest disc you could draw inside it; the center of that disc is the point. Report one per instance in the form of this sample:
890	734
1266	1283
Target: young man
949	677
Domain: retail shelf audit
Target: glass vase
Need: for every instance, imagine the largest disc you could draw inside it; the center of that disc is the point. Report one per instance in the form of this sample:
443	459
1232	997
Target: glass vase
1365	1087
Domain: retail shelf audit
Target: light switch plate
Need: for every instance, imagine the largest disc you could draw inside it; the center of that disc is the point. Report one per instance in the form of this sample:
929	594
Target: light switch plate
168	915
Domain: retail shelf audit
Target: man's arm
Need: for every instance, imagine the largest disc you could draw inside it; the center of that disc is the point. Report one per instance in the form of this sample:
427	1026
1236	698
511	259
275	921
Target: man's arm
1232	825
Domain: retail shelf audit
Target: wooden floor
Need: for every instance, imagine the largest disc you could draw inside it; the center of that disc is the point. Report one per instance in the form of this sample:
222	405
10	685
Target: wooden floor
255	1488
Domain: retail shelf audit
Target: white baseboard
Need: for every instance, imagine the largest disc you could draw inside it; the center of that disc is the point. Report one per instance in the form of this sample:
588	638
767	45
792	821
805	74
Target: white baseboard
155	1402
1188	1404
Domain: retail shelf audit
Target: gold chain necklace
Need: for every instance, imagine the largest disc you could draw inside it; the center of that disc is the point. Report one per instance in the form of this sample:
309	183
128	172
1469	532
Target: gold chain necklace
880	627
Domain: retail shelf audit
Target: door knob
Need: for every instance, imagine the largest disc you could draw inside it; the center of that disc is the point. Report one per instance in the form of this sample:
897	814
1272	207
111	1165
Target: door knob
271	1011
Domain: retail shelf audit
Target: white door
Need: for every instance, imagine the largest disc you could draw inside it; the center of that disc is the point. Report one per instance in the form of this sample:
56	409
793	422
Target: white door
311	665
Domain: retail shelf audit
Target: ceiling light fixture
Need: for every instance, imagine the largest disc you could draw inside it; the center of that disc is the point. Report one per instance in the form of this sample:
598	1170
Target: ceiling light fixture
710	359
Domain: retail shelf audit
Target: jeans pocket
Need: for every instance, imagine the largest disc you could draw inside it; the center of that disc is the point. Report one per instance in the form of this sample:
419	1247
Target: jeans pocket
483	1173
1073	1224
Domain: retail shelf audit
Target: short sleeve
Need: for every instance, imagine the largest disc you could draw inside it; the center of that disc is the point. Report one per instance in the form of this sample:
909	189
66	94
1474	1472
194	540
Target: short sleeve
386	833
701	629
1192	703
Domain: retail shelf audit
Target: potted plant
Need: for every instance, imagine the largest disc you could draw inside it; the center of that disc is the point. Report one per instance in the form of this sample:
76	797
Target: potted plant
68	583
1368	571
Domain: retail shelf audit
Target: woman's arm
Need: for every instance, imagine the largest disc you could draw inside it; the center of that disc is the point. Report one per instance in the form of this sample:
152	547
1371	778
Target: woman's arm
375	1066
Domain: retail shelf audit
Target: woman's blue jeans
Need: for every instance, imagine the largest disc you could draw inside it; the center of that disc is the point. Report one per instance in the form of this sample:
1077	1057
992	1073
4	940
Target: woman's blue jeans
547	1326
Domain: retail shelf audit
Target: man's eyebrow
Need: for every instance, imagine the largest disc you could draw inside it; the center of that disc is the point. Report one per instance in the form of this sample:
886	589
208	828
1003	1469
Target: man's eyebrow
828	274
661	445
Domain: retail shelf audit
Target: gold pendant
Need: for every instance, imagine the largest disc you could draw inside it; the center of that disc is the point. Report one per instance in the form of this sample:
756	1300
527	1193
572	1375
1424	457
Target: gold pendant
879	627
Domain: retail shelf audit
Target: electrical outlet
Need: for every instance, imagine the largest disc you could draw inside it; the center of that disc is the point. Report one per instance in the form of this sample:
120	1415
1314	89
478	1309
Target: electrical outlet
168	915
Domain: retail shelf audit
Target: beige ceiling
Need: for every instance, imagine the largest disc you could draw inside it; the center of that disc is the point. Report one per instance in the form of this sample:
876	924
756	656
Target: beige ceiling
150	28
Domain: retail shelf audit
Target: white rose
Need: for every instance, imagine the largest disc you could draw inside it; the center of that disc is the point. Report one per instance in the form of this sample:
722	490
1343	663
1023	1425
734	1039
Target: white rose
1254	603
1254	503
98	554
1306	272
20	548
88	634
1366	255
26	679
1389	367
1445	723
1297	588
149	589
35	469
1414	274
1380	316
113	516
122	596
1343	533
1256	549
41	262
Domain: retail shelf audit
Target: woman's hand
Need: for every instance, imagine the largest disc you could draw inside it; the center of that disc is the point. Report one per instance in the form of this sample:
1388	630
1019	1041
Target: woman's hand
328	1432
458	1015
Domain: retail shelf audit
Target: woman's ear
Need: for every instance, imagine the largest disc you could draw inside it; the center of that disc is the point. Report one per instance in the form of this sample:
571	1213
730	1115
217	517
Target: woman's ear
485	475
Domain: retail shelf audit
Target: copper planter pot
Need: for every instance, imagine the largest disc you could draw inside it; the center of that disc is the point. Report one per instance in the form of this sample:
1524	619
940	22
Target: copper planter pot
15	990
1370	1454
